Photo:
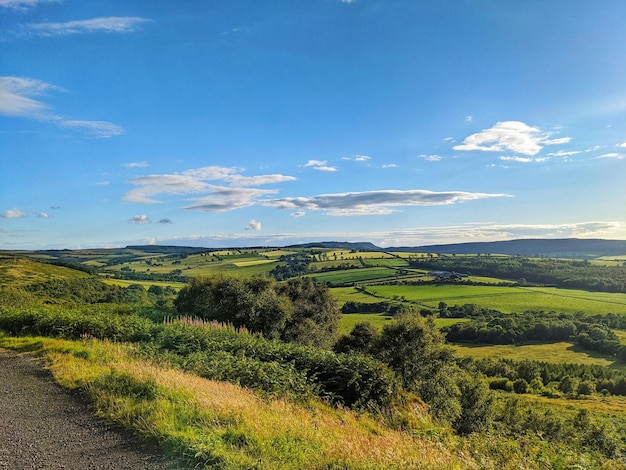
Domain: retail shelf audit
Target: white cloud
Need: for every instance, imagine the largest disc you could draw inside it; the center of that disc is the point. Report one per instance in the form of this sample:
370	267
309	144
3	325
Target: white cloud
239	180
374	202
512	136
24	5
152	185
194	181
430	158
517	159
390	165
112	24
615	155
564	153
622	145
141	219
43	215
99	129
16	101
469	118
136	164
14	214
227	198
298	214
356	158
320	165
253	225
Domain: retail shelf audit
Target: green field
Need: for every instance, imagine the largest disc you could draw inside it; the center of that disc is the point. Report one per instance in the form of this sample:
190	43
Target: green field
353	275
562	352
349	320
507	299
21	271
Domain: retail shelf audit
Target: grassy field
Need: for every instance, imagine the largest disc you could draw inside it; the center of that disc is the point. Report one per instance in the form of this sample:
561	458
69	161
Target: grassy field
507	299
562	352
21	271
353	275
349	320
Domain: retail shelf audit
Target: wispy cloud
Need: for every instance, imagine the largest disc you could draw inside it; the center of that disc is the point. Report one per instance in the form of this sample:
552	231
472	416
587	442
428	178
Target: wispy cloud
141	219
14	213
390	165
357	158
615	155
253	225
514	136
165	221
298	214
227	198
17	99
24	5
517	159
111	24
99	129
43	215
430	158
234	194
136	164
375	202
320	165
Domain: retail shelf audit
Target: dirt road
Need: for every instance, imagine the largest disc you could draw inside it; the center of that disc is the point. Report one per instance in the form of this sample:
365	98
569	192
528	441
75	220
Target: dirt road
43	426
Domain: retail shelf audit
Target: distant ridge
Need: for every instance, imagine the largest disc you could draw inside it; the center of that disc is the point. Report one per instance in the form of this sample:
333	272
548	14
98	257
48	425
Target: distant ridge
554	248
362	246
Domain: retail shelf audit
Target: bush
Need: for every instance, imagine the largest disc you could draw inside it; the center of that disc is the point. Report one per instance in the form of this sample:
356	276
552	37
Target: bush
298	311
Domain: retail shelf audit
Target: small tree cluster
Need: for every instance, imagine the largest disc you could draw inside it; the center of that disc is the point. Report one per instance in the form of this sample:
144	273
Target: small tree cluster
298	311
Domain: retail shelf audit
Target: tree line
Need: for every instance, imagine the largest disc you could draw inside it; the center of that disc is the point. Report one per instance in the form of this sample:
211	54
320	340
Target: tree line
573	274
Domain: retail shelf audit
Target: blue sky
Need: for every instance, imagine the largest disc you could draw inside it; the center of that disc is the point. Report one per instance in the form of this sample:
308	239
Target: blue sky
239	123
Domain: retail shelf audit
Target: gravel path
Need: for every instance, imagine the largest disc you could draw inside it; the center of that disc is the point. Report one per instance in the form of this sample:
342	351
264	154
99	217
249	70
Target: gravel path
43	426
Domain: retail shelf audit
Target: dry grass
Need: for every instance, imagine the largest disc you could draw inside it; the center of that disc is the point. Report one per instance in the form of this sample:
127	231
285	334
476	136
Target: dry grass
224	423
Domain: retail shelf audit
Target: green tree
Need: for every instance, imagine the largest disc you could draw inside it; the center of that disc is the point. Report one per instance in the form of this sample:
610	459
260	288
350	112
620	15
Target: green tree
415	349
297	311
315	314
362	338
252	302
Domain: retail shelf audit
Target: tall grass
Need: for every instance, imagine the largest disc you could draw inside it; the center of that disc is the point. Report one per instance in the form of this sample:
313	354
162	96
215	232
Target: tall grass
221	425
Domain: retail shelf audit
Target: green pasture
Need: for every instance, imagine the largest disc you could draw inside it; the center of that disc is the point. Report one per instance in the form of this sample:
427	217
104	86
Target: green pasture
21	271
321	265
561	352
621	335
350	294
353	275
349	320
507	299
392	262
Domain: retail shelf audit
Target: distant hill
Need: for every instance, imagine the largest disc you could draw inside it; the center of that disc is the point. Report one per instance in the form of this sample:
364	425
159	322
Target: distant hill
554	248
167	249
359	246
